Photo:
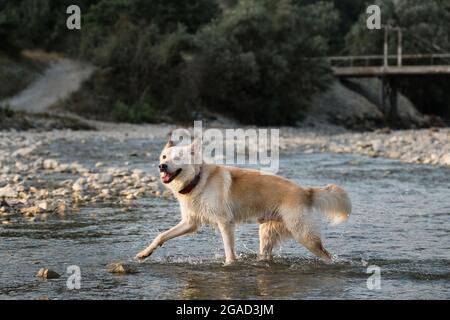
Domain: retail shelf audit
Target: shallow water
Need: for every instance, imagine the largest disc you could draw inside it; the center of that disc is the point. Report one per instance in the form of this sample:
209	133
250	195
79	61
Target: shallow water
400	223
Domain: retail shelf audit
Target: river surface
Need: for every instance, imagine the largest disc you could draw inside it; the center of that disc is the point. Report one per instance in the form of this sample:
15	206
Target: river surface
400	226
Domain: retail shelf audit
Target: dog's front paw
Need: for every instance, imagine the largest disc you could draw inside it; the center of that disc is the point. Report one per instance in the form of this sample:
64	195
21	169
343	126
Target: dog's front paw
229	262
144	254
265	258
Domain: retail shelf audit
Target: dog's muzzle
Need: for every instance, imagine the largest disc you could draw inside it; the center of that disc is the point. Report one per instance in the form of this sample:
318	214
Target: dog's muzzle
167	176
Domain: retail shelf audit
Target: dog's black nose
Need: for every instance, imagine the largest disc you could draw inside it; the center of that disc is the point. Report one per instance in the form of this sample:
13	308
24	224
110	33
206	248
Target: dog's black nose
163	167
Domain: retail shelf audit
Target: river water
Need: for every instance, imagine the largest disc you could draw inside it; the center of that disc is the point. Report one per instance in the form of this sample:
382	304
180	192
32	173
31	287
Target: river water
400	226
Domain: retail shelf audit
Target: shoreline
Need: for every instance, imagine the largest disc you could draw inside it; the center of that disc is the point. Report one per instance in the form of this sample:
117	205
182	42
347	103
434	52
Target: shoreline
425	146
420	146
36	181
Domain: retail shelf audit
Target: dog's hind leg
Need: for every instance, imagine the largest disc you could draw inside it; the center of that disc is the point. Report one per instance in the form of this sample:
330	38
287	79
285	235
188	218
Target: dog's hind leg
306	231
270	234
314	244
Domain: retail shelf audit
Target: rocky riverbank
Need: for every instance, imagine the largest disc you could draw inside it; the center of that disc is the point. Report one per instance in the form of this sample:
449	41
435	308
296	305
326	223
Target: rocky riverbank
20	121
427	146
35	181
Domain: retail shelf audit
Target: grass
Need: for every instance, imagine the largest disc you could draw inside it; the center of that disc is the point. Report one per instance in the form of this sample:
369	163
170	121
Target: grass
20	120
6	111
95	100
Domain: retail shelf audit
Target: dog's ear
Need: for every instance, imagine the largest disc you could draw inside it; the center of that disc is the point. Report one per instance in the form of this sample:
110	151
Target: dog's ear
169	142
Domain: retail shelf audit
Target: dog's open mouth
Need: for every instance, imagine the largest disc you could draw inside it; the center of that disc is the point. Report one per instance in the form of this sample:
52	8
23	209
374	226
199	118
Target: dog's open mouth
168	177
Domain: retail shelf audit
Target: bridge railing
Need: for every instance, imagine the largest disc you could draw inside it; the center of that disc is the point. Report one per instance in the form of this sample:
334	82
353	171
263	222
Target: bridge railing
393	60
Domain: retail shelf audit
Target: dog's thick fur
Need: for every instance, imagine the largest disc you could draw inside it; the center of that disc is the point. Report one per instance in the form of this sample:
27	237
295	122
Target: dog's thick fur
225	196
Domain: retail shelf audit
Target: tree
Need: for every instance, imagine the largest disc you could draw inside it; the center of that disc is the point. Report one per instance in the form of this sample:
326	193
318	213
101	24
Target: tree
140	46
259	60
169	14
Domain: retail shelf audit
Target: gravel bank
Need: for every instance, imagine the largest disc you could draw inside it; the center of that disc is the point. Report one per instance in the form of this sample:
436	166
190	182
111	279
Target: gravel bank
36	182
27	163
427	146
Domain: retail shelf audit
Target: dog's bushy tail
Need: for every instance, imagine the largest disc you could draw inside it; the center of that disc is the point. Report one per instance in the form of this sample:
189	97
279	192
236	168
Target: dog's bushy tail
333	202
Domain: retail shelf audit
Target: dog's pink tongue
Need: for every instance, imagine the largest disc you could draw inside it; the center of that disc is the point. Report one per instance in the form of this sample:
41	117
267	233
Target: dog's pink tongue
166	177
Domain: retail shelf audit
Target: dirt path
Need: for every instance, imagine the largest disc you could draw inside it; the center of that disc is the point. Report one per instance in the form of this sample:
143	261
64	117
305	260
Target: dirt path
59	80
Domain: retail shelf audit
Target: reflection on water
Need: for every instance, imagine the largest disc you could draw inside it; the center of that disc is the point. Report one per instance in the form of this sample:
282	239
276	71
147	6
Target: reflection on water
400	223
250	280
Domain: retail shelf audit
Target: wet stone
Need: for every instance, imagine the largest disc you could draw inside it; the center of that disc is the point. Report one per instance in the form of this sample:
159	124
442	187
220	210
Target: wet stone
50	164
47	274
8	192
121	268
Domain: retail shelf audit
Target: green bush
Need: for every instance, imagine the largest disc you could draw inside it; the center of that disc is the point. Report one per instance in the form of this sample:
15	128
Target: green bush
6	111
142	57
139	113
259	65
254	60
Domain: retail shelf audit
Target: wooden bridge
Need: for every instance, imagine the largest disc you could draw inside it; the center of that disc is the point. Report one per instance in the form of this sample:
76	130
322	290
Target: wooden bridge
390	68
366	66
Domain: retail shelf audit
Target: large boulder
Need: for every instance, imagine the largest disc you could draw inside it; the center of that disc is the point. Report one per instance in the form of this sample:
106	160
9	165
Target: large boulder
341	106
355	104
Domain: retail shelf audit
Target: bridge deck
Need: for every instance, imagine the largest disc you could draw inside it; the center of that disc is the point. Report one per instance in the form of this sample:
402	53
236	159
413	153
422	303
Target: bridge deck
390	71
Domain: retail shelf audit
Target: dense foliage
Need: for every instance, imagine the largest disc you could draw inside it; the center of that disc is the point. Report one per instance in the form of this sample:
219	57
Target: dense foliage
258	63
255	60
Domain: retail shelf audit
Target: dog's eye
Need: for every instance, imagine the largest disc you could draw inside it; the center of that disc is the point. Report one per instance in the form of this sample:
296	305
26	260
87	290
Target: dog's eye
164	157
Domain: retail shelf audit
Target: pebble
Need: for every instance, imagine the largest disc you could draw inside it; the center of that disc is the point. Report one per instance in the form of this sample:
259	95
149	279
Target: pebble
21	167
63	168
105	178
121	268
61	207
43	205
23	152
99	164
8	192
79	185
445	159
30	211
49	164
47	274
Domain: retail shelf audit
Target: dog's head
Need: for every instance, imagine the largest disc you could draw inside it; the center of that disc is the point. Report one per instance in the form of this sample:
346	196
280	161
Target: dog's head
176	163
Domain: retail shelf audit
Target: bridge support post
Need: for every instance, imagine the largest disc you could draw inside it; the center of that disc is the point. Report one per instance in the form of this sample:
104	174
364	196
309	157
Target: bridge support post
393	99
388	97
